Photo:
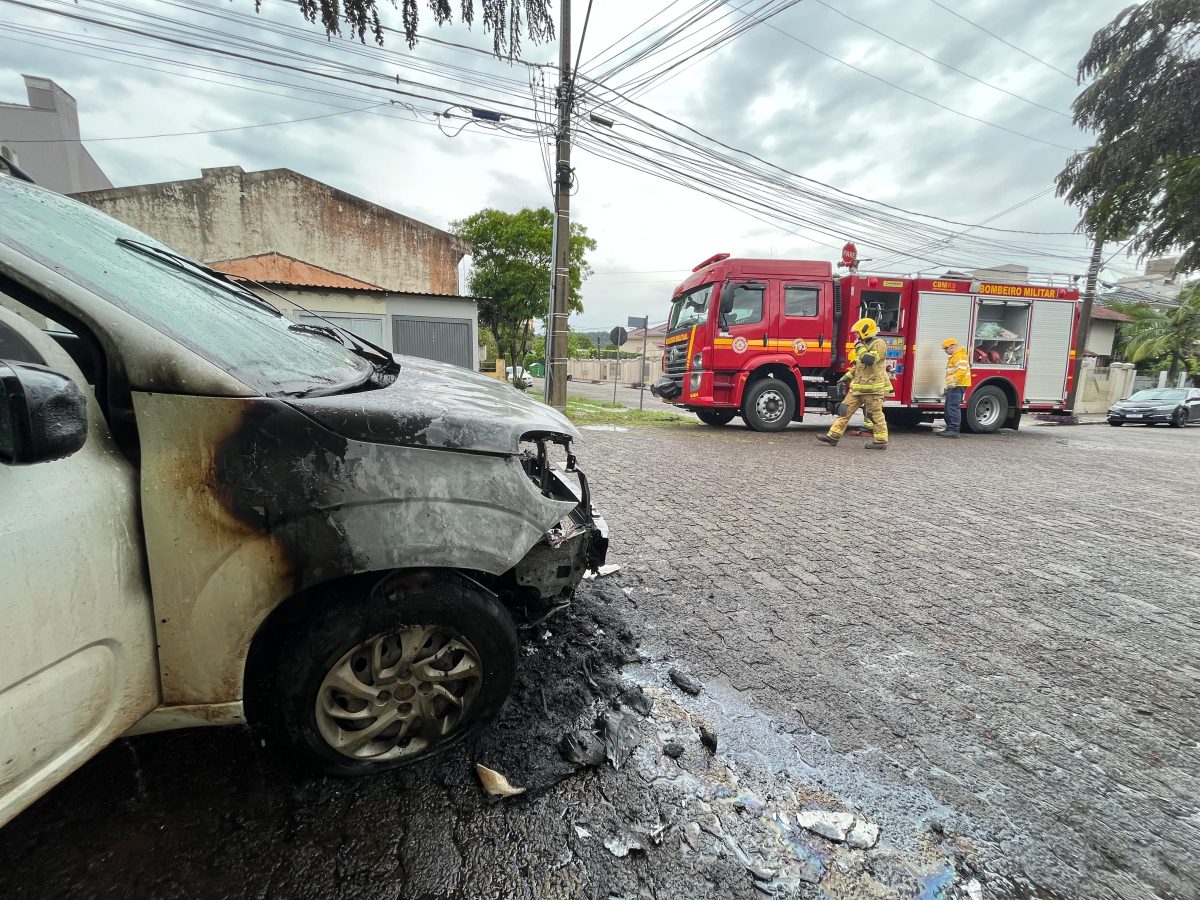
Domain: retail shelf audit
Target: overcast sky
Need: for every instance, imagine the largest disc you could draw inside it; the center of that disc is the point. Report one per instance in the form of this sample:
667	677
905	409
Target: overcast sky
765	92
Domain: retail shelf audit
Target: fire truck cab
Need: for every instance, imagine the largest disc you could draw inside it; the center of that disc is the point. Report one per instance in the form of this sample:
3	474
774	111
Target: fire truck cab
769	340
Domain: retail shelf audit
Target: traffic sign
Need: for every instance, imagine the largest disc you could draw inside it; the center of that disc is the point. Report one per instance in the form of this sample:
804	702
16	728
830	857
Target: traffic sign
618	336
637	322
849	255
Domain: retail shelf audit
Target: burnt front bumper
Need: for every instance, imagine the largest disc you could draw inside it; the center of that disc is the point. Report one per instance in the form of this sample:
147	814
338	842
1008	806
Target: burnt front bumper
556	564
669	387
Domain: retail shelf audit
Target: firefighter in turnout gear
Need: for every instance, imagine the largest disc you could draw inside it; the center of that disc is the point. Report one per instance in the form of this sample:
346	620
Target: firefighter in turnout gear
869	384
868	426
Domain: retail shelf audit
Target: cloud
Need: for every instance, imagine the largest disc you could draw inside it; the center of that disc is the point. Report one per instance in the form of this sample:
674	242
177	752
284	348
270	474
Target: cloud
764	92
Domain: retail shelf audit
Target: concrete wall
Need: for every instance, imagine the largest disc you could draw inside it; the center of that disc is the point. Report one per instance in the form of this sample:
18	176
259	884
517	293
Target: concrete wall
624	371
229	213
1100	389
43	139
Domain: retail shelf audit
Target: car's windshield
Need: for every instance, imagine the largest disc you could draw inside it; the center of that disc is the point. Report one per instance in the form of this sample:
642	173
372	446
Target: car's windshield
252	342
690	308
1159	394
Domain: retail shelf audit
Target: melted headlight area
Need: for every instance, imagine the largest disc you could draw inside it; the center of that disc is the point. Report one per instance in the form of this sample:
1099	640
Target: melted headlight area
579	541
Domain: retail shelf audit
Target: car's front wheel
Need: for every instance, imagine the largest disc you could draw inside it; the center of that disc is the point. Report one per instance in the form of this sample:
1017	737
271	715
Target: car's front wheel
368	683
1180	418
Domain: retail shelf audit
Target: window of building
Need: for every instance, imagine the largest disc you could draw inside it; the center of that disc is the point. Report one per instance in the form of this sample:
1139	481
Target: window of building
1001	330
801	300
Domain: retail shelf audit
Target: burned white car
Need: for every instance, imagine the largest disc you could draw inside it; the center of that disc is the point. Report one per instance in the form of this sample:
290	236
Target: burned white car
212	514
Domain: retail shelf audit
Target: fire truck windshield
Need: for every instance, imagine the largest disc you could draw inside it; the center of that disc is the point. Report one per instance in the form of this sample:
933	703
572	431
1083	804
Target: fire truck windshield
690	308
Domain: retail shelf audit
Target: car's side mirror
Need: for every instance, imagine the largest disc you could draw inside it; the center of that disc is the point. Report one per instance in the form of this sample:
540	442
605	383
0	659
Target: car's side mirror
43	415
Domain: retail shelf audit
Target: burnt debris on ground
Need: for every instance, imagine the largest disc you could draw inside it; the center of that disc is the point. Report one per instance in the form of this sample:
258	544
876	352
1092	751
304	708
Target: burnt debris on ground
606	782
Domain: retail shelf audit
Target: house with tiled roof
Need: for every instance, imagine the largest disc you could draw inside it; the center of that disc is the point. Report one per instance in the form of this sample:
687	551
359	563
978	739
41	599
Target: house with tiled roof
316	252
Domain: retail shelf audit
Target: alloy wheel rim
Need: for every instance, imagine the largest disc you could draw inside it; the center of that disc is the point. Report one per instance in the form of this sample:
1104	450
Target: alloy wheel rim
397	695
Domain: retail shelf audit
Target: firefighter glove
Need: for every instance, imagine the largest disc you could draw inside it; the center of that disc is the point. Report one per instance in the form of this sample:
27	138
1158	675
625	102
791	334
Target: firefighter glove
869	359
842	409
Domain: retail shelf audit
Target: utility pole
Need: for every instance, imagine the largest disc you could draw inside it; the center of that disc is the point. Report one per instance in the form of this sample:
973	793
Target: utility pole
1085	318
556	337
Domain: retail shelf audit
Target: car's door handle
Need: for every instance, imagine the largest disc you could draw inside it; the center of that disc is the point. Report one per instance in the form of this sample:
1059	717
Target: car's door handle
821	341
764	339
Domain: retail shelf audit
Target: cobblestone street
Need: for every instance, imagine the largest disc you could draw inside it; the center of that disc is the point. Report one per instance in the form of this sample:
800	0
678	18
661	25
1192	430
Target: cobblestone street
988	647
1009	621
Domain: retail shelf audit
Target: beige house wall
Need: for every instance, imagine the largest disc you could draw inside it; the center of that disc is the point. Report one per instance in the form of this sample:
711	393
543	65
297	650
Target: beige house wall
228	213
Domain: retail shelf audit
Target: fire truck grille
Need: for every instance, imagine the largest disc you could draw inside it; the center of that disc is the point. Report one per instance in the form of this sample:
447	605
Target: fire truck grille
677	361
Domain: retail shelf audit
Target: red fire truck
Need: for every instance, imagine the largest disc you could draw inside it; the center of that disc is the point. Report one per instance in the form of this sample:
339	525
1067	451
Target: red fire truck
768	339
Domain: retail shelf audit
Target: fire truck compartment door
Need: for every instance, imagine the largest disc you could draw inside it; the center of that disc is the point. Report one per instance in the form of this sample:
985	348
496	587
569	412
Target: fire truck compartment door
1049	351
939	316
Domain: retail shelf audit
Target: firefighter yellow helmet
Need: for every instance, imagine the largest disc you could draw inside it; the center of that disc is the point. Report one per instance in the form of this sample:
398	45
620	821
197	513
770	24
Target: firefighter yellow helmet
865	328
852	355
948	343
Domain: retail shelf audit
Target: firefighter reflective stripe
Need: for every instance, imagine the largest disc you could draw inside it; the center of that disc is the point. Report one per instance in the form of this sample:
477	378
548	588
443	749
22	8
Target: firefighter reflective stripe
958	370
871	378
872	407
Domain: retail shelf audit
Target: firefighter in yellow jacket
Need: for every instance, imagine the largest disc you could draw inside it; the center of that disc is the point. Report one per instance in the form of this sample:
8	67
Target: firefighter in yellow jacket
958	379
869	384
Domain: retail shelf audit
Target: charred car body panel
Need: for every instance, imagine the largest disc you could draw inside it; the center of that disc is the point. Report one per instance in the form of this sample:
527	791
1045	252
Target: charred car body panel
247	502
434	404
254	492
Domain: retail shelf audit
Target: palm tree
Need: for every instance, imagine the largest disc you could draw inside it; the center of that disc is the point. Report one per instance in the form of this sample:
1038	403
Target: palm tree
1173	335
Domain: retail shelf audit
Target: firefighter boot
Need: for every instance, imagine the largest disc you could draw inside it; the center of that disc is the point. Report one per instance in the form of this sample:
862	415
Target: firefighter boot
826	439
877	445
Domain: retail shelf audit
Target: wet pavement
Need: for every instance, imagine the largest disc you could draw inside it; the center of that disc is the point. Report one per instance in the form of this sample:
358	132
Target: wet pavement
986	651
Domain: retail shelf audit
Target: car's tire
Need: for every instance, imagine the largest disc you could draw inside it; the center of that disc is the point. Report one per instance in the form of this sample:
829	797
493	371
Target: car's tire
1180	418
384	656
768	405
716	417
986	410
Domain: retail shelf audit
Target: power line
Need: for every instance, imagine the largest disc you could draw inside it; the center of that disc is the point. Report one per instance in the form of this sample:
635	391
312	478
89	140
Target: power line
587	17
601	58
501	130
700	51
842	62
281	65
814	181
1003	41
947	65
143	137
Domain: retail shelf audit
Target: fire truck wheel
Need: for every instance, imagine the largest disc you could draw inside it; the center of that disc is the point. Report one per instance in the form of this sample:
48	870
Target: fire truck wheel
768	405
987	410
716	416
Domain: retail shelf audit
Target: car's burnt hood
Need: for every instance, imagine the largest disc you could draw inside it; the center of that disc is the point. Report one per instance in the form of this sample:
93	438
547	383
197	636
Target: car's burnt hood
437	405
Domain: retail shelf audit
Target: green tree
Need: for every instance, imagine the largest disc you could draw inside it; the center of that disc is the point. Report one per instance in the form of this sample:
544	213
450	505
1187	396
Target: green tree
578	345
1141	178
511	270
503	19
1170	338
